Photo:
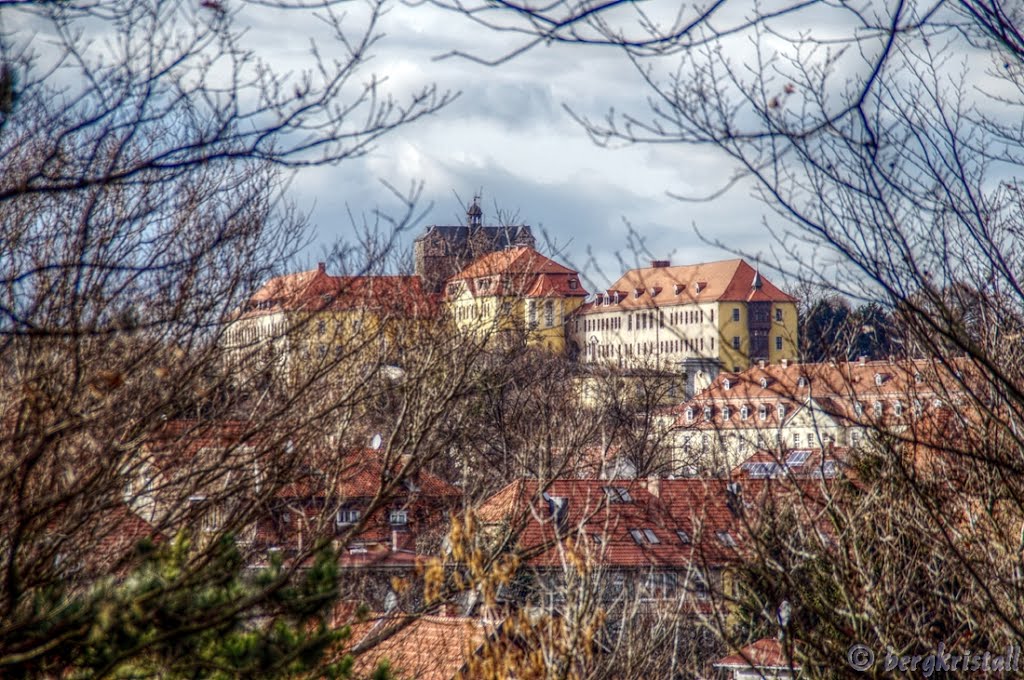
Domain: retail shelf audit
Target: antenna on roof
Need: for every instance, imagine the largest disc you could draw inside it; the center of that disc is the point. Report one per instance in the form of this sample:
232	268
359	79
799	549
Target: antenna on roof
376	442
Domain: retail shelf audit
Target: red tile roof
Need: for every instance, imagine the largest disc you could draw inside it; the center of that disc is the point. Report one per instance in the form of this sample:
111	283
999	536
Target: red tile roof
835	387
316	291
793	463
598	515
765	654
519	271
725	281
428	648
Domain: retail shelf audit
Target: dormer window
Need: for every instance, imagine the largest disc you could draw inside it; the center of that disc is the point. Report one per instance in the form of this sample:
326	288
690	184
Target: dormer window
858	408
348	516
679	288
637	292
918	378
877	408
744	412
725	413
802	381
764	383
655	291
689	415
898	408
707	413
879	379
780	410
726	384
573	284
701	285
762	412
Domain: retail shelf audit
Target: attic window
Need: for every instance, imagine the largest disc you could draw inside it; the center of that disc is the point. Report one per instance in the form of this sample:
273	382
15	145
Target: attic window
655	291
617	494
707	413
726	411
781	411
642	536
879	379
637	292
764	382
726	384
680	287
701	285
858	408
877	408
726	539
744	412
762	412
802	381
898	408
573	284
797	458
689	415
684	537
918	378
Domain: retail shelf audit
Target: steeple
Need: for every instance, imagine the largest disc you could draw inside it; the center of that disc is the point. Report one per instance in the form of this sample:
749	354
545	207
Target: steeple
474	215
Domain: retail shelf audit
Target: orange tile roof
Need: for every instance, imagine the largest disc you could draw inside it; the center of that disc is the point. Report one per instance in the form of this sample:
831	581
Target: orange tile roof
428	648
700	508
766	654
835	387
724	281
316	290
520	271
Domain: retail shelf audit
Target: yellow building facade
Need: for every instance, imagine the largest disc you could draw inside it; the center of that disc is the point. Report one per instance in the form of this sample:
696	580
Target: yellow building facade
515	295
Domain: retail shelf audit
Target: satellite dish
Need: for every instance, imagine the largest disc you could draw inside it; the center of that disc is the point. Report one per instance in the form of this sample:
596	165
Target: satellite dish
376	442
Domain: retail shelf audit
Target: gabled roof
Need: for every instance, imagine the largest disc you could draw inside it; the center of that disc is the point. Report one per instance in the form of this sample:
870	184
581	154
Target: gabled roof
665	286
764	654
317	291
428	648
604	514
519	271
830	388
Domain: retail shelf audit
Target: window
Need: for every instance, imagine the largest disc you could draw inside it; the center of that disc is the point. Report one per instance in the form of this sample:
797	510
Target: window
549	313
398	517
796	439
617	494
744	412
858	408
780	410
348	516
879	379
854	437
762	412
778	343
735	313
763	382
689	415
796	458
532	313
726	539
877	408
778	314
726	412
735	342
726	384
642	536
707	413
573	284
684	537
321	327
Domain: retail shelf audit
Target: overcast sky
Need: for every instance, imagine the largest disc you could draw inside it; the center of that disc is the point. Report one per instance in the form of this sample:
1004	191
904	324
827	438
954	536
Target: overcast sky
509	137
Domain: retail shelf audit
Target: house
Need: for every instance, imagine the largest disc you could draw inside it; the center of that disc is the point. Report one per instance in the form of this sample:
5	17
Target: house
789	406
309	319
765	659
515	295
650	538
443	251
695	319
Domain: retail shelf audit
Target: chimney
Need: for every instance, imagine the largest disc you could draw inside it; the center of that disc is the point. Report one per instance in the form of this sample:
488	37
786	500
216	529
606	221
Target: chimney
660	264
321	267
654	486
